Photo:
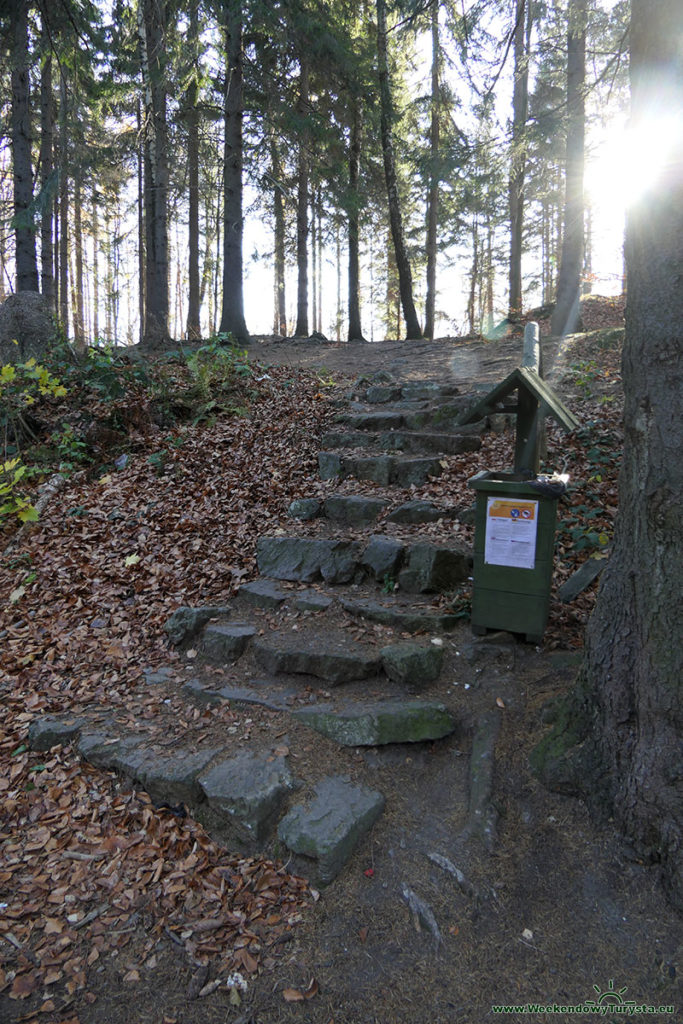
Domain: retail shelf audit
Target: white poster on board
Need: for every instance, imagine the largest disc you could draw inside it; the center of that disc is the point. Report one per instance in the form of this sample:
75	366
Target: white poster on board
511	527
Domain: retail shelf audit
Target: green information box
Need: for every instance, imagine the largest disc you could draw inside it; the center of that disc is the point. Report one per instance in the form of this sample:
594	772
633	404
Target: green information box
514	545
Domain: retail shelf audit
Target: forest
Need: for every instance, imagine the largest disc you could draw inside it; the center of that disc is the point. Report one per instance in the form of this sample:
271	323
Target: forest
412	168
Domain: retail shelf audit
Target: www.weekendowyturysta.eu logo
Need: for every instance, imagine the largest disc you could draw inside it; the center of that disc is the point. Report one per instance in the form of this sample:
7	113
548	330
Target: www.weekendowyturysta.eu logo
609	1001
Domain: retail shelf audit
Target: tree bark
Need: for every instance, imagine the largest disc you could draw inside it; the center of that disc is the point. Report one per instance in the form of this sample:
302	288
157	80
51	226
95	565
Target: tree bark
355	332
232	313
47	114
80	343
63	205
156	305
193	328
405	276
433	196
520	104
566	314
620	742
24	230
280	312
301	330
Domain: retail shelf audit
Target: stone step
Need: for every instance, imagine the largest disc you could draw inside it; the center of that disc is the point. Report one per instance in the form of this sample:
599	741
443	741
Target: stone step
357	510
332	658
380	723
328	829
353	510
417	568
406	619
411	441
385	470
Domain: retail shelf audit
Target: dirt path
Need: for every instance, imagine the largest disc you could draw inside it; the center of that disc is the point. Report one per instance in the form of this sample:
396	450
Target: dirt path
557	912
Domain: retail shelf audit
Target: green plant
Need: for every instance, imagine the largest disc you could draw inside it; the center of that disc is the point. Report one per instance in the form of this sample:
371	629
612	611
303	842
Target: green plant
21	386
14	503
389	584
71	449
215	369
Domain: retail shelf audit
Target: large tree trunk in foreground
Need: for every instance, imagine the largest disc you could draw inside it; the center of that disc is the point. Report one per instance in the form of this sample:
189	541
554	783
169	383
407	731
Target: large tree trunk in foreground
620	742
566	316
431	247
405	276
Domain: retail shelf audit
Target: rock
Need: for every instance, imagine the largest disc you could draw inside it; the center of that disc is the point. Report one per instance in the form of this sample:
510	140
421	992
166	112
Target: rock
172	778
201	694
261	594
223	642
426	389
410	620
373	725
337	662
348	439
53	730
415	471
382	558
430	568
244	796
304	508
159	676
377	394
312	601
378	469
353	510
384	420
329	465
330	828
307	560
185	623
417	512
414	665
25	318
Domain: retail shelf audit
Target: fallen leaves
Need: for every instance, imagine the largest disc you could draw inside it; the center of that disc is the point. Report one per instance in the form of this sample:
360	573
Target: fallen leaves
296	995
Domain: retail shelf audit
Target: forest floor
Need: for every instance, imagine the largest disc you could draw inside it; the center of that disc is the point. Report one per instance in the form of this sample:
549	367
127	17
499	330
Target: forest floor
110	908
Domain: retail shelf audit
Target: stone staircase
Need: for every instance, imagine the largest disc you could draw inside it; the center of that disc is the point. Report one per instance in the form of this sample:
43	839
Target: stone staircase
347	634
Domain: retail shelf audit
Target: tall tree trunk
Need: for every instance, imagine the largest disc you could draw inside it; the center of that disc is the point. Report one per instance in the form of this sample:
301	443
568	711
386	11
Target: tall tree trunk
80	343
627	709
232	314
24	232
520	105
193	309
566	314
434	156
156	191
95	270
353	215
405	276
474	274
314	263
280	313
63	204
142	162
318	209
47	115
301	329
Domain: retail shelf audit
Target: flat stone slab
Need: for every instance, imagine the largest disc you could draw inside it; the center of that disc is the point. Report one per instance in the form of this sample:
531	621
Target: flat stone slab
307	560
374	725
261	594
382	558
54	730
581	579
409	620
418	511
353	510
168	777
265	693
412	664
331	826
415	471
334	659
185	623
228	641
389	420
312	601
432	568
244	796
